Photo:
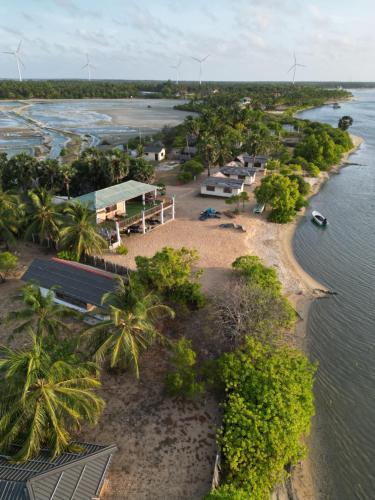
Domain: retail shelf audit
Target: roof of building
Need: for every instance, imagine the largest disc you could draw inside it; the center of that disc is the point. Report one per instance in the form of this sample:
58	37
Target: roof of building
114	194
245	157
77	475
223	182
153	148
75	280
229	170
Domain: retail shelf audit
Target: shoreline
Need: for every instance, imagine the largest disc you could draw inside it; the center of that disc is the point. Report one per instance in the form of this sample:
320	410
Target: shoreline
304	482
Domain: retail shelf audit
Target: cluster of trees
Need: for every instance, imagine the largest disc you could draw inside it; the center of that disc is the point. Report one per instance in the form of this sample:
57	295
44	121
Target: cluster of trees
93	170
264	95
71	227
49	387
268	400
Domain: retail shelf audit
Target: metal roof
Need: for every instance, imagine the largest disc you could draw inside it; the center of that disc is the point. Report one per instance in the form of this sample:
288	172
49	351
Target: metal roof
153	148
223	182
78	281
238	171
77	475
114	194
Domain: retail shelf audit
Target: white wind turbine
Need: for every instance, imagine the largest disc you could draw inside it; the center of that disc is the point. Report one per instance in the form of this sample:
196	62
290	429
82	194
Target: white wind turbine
89	66
294	67
200	61
177	68
16	54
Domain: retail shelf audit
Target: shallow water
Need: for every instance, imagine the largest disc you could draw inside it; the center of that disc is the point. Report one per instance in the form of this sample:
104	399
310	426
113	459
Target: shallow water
341	328
90	117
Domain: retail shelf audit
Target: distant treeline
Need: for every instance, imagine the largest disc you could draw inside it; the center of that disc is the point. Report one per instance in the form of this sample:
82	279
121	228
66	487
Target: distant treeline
267	94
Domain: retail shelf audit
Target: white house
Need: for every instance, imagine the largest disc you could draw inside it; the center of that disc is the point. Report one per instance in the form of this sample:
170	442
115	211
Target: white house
221	186
154	152
258	162
239	173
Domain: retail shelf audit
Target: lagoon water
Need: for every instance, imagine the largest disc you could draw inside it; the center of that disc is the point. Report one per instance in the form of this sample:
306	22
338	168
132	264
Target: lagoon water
341	328
96	119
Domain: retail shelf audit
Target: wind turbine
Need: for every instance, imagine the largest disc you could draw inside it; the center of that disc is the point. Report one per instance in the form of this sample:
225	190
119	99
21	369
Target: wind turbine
294	67
16	54
177	68
201	61
89	66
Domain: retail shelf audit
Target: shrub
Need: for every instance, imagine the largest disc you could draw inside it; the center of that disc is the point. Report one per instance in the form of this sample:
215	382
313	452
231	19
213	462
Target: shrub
122	250
66	255
169	273
303	186
183	380
313	170
190	294
161	188
8	263
273	165
256	273
184	177
267	412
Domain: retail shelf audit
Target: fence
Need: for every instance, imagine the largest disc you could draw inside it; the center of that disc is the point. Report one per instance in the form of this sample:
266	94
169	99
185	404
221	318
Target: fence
106	265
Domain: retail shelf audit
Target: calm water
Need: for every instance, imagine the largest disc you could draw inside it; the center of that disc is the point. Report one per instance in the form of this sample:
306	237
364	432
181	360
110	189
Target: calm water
96	119
341	328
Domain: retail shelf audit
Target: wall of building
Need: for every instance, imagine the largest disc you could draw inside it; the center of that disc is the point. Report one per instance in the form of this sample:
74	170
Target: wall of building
219	191
101	215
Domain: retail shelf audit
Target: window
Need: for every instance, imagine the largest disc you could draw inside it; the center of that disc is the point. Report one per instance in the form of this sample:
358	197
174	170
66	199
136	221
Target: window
210	188
228	190
112	208
241	177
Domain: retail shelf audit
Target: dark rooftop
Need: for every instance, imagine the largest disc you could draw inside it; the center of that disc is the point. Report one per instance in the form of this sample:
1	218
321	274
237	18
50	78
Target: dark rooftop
78	281
238	171
77	475
223	182
153	148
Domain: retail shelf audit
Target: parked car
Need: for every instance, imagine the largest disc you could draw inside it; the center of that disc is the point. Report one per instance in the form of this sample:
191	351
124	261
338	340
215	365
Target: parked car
259	208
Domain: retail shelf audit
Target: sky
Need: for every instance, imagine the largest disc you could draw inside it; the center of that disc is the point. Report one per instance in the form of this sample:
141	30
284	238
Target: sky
246	40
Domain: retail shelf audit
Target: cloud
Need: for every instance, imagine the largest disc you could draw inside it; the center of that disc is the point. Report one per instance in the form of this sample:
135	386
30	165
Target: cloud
72	9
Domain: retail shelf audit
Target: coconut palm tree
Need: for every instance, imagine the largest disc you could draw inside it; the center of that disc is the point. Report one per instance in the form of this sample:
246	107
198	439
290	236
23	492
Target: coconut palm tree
79	234
44	217
131	328
40	312
44	400
11	211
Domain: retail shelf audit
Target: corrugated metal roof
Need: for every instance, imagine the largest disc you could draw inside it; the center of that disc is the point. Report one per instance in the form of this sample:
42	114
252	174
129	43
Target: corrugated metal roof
114	194
238	171
223	182
75	280
77	476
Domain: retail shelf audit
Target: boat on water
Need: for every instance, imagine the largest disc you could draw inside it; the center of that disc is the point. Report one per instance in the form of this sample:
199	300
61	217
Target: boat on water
336	105
319	219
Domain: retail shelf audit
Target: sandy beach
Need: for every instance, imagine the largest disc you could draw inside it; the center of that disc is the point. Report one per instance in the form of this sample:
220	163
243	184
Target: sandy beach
217	249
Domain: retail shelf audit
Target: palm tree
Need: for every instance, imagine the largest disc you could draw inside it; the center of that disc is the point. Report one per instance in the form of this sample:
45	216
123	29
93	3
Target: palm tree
44	400
130	329
44	217
10	215
79	234
40	312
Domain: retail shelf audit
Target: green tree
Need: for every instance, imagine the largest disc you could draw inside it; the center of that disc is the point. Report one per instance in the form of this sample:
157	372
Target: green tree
183	379
20	173
169	273
79	234
44	400
40	313
256	273
282	194
8	263
345	122
141	170
44	217
267	412
131	328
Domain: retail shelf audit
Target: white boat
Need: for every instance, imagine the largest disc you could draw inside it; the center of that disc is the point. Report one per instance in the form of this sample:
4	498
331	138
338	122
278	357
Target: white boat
319	219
